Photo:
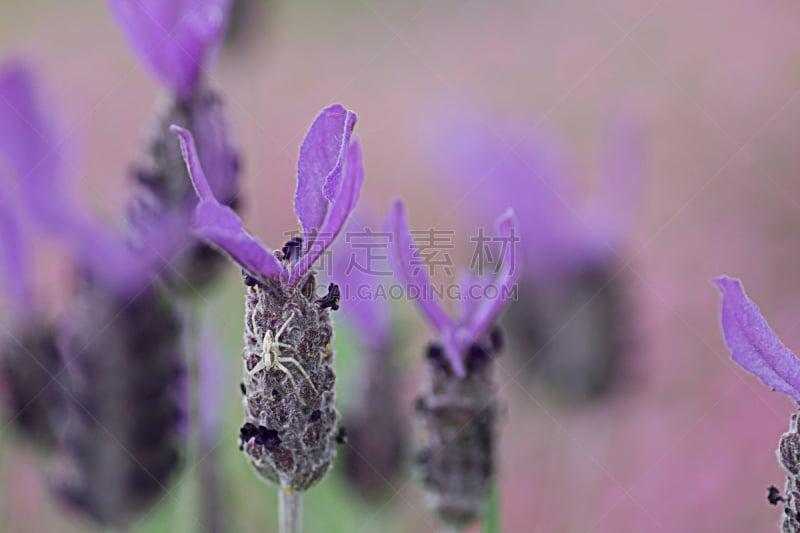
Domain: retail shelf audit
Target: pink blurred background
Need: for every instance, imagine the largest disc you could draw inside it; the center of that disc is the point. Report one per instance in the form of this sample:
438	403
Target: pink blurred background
688	444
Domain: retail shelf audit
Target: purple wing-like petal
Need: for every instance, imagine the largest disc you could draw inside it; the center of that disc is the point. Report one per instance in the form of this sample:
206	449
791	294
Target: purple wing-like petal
29	148
14	259
175	39
401	253
319	167
341	208
487	310
220	225
753	345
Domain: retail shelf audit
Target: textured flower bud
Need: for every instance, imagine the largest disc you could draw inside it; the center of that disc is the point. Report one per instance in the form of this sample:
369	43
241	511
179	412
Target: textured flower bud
289	435
120	444
457	418
376	428
30	371
575	329
162	173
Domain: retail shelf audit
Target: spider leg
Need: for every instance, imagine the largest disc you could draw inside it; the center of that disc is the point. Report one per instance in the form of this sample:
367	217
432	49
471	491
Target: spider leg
284	326
261	365
285	370
282	360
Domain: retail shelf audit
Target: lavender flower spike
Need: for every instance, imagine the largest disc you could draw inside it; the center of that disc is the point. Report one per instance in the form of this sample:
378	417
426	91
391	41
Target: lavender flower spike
119	343
289	434
457	409
758	350
174	39
754	346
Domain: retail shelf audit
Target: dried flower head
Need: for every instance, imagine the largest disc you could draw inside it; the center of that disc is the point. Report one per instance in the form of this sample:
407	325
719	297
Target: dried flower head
290	421
457	408
756	348
572	282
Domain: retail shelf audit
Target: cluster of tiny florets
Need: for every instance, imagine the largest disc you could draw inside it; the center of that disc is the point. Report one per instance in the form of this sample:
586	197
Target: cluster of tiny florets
290	429
457	418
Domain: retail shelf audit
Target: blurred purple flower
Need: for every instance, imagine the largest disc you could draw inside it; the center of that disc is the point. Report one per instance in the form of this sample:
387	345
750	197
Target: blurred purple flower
329	179
175	39
36	161
456	412
477	315
510	164
572	316
754	346
119	342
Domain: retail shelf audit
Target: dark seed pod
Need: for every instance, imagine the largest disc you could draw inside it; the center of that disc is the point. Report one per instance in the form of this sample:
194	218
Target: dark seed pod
377	430
575	331
121	444
289	397
167	189
457	418
31	372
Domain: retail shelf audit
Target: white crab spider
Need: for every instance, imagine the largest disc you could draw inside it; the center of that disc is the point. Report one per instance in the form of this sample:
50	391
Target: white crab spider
270	357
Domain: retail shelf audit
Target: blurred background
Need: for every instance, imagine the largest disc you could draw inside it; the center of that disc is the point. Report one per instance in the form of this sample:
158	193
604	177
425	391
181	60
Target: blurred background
684	440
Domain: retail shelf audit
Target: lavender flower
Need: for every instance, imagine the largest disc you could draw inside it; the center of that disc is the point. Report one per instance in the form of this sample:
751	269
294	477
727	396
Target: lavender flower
29	360
119	343
457	409
756	348
375	424
571	283
177	42
290	422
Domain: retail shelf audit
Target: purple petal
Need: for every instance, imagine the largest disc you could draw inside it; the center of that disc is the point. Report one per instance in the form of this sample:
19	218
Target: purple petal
612	212
498	164
29	147
175	39
220	225
319	167
341	208
401	253
15	257
753	344
486	311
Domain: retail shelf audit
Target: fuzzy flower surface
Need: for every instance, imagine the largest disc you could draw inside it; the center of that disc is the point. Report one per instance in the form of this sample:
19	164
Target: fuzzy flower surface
289	434
456	411
174	39
756	348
